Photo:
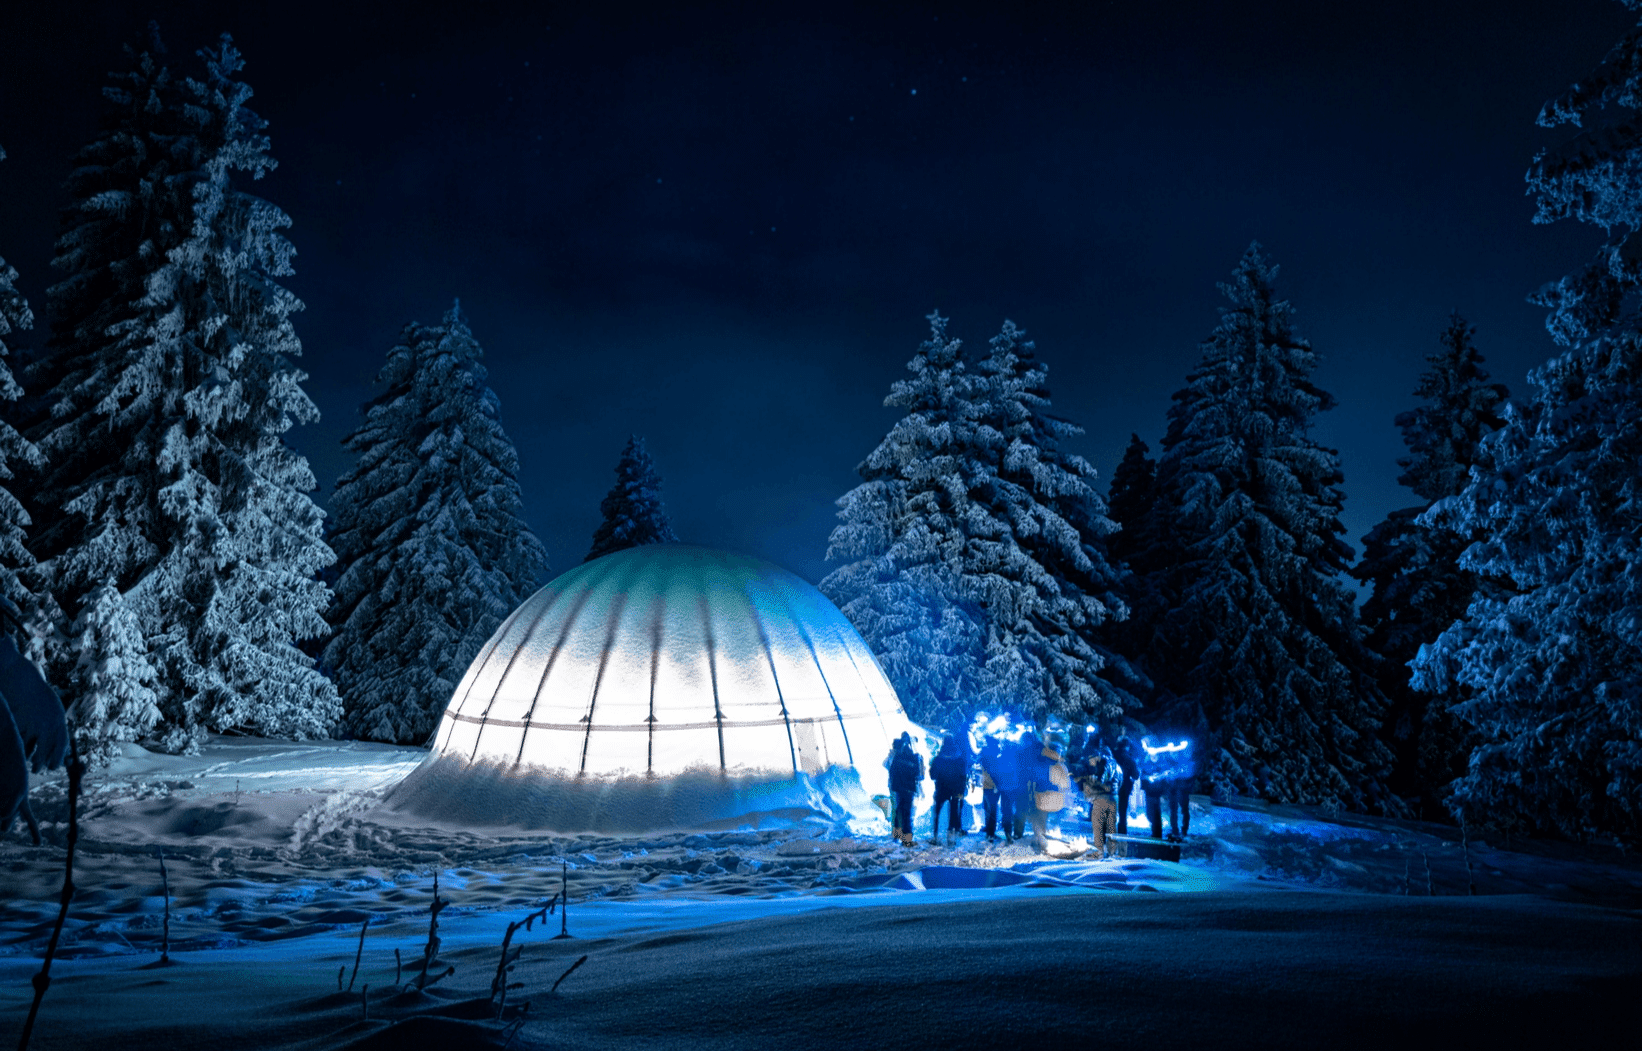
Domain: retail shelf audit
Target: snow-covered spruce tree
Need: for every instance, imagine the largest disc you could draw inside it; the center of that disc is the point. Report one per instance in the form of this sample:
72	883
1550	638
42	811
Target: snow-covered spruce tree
1038	553
972	557
1261	641
429	533
113	683
169	387
901	542
1130	497
1551	646
1139	544
633	511
17	453
95	396
1419	588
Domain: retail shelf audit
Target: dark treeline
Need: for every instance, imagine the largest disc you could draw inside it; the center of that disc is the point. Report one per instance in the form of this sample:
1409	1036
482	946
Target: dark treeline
1494	674
159	533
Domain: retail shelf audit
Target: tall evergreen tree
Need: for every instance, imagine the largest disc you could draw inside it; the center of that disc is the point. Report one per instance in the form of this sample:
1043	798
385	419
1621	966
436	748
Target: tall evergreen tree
1260	644
1138	545
973	550
900	541
633	511
16	452
430	535
113	681
1551	645
167	391
1418	586
96	398
1132	494
1039	550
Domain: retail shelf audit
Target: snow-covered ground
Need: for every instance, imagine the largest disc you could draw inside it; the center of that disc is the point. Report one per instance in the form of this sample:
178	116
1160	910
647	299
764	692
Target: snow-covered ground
277	854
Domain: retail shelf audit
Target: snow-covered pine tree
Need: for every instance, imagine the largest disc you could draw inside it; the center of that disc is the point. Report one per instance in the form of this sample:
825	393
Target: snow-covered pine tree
1551	646
1139	544
113	683
16	452
972	551
1261	640
1130	497
167	390
235	588
633	511
1418	587
1038	553
900	541
429	532
94	395
1462	407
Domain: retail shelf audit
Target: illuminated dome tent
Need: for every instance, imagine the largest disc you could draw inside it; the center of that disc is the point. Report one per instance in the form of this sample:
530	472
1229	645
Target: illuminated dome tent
664	686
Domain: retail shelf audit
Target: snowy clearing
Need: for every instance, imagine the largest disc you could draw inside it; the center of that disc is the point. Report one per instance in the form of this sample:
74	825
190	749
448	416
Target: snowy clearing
731	938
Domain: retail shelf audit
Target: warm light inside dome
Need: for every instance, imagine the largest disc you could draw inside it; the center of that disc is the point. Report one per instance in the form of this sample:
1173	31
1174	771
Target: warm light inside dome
670	660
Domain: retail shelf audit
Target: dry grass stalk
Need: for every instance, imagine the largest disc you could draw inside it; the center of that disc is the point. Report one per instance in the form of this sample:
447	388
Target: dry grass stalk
566	974
42	981
431	952
499	985
358	953
165	931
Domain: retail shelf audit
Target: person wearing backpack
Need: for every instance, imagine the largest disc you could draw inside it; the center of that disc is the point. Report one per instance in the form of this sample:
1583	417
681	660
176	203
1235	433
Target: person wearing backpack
1047	781
906	770
1096	785
1010	775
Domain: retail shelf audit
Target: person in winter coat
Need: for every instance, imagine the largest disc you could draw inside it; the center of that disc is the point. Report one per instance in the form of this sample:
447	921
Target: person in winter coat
1091	766
950	772
1178	791
1010	780
1046	785
1096	786
989	758
1152	783
1124	754
1168	771
906	770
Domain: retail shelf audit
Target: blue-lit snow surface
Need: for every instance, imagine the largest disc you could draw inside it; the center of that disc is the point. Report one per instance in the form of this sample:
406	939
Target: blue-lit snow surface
1279	925
305	846
665	686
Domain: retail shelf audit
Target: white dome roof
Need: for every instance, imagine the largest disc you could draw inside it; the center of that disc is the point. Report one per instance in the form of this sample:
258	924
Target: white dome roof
661	663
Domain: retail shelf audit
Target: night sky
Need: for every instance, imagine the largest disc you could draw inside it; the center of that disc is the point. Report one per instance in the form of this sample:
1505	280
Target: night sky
722	228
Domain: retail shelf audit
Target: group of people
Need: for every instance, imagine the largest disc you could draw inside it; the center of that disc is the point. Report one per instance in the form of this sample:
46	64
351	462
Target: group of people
1024	780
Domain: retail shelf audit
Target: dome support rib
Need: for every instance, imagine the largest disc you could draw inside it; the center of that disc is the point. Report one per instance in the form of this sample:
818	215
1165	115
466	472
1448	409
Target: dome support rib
769	655
552	658
618	605
872	699
657	630
478	735
820	670
447	724
712	670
